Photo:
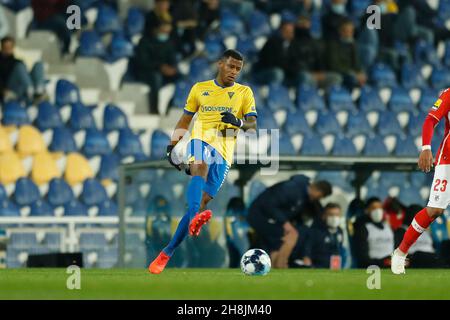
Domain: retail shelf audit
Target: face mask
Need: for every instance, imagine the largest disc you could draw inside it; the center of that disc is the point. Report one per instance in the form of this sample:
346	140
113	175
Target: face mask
383	8
333	222
377	215
162	37
338	8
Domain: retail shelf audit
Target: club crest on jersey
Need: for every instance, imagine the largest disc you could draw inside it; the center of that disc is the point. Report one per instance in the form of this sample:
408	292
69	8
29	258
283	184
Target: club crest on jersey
437	104
231	94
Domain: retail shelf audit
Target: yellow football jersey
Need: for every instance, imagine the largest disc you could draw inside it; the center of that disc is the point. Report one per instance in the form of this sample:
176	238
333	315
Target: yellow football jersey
208	99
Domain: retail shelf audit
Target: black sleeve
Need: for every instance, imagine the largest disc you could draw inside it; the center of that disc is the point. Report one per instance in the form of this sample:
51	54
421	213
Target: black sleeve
361	248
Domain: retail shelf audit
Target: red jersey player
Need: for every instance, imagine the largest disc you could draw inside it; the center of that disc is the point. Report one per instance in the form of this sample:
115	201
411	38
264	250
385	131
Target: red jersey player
439	194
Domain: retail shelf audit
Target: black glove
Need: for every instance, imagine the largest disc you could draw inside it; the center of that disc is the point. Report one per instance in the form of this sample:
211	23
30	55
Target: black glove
169	157
230	118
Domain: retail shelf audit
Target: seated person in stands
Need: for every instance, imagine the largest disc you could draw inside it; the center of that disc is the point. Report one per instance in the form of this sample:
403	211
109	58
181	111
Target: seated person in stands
277	209
15	81
373	239
324	248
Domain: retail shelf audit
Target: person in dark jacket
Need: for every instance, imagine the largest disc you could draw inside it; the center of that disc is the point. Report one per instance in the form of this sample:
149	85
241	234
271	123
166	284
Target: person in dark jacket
154	61
335	15
373	239
275	211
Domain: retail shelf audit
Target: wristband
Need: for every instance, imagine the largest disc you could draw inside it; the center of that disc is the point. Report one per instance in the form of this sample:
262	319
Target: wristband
426	147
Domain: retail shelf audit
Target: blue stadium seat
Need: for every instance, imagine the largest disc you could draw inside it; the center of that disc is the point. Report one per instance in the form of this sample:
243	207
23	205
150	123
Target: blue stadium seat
316	25
344	147
182	89
59	192
340	99
259	24
108	208
309	99
336	178
129	145
400	100
66	92
440	78
135	21
296	123
41	208
286	147
312	146
158	144
247	47
389	179
107	20
62	141
375	147
427	98
96	143
409	195
382	75
446	58
388	124
109	167
132	194
278	98
415	123
14	114
140	207
81	118
214	49
376	190
114	118
425	53
419	179
266	119
91	45
8	208
327	124
16	5
48	116
405	147
358	124
411	76
358	8
26	192
92	240
199	70
120	48
256	188
230	24
3	194
93	192
370	100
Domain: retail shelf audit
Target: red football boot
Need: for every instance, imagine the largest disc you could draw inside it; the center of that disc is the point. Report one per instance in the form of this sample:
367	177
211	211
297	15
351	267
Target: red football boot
198	221
158	265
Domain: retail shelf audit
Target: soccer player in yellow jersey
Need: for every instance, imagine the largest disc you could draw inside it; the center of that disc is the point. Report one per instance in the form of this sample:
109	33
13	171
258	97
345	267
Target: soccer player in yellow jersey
223	107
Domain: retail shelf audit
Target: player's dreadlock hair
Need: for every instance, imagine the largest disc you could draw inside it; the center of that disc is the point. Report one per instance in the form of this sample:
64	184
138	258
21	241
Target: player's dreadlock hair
233	54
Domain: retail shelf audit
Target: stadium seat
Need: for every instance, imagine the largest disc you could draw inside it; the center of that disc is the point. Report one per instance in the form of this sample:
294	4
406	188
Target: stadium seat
427	98
411	76
66	93
59	192
129	145
26	192
446	58
316	25
358	8
344	147
247	47
415	123
327	124
14	114
107	20
107	208
230	24
312	146
40	208
93	193
62	141
11	168
182	89
266	119
135	21
3	193
30	141
114	118
81	118
296	123
44	168
375	147
388	124
309	99
278	98
425	53
48	117
409	196
400	101
389	179
140	207
286	148
95	143
376	190
358	124
120	48
256	188
109	167
370	100
405	147
339	99
199	70
5	142
77	169
419	179
336	178
158	144
75	208
440	78
213	49
259	24
91	45
8	209
381	75
132	194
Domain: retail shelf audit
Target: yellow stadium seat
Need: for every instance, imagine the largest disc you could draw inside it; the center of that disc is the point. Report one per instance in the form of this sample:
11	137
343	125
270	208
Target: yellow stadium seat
30	141
44	168
77	169
5	142
11	167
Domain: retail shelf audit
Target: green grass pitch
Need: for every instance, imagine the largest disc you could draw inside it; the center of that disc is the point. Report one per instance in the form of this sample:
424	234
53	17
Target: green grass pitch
222	284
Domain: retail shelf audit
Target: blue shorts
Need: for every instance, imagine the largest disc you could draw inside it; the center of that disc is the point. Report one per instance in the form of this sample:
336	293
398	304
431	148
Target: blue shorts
217	166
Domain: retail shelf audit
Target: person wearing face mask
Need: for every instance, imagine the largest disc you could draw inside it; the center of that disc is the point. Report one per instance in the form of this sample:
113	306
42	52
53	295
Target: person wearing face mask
154	62
373	239
334	16
324	247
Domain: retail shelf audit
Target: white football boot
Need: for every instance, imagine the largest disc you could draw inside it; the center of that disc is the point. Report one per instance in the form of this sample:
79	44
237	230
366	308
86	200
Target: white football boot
398	261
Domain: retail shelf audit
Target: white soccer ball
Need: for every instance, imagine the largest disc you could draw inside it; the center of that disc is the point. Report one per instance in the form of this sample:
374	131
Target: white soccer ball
255	262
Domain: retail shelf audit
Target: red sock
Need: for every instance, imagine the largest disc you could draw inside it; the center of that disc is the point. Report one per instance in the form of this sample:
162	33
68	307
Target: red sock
419	224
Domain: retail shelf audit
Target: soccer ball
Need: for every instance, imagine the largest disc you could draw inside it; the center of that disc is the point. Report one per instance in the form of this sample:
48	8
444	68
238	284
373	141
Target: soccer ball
255	262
